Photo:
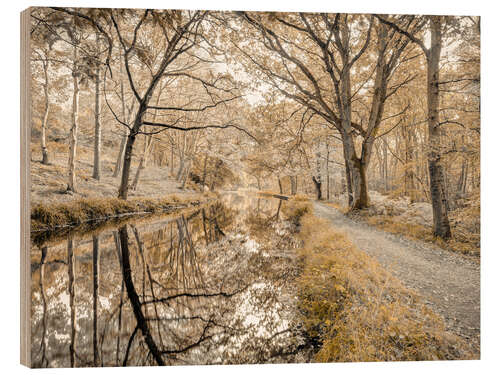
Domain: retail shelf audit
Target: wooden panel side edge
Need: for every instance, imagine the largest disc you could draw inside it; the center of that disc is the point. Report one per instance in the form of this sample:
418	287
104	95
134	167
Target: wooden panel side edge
25	321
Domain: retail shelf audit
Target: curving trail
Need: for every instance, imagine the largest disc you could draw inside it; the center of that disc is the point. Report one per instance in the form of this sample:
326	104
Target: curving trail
449	283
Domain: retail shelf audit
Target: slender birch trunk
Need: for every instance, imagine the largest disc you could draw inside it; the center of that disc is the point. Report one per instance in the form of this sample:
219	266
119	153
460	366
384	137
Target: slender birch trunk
97	129
45	153
73	137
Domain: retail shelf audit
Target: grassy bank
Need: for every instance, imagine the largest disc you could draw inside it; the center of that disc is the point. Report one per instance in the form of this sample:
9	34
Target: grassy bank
68	214
357	310
462	241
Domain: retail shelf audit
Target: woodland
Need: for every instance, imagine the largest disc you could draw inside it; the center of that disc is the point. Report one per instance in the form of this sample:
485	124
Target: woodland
373	117
328	104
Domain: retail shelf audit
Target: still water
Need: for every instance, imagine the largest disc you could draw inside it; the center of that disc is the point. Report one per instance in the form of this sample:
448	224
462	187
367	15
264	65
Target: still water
210	286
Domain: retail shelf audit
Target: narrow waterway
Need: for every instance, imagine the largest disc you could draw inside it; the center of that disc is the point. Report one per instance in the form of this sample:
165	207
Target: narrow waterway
210	286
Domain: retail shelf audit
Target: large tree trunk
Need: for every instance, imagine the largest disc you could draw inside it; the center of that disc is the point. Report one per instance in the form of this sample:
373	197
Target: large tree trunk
73	137
360	185
355	175
45	153
436	175
377	109
97	129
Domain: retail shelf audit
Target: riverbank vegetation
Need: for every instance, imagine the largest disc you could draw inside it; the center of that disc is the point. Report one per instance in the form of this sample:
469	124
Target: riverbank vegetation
77	212
357	310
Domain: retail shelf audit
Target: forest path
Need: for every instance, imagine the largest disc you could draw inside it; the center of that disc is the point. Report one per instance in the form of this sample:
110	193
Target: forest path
448	282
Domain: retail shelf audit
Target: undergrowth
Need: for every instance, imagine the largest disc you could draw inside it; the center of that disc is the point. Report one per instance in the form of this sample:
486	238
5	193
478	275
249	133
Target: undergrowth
356	309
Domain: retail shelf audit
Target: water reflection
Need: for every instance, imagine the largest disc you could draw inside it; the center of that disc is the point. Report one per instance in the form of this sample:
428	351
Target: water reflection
209	287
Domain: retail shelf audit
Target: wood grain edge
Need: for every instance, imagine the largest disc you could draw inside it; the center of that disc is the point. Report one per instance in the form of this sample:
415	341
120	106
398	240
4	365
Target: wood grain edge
25	342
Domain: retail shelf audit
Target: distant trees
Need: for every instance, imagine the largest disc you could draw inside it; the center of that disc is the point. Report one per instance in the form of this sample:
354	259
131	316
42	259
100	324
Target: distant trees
43	39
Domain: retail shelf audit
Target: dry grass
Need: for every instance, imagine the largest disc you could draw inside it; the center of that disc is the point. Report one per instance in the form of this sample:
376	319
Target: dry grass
463	240
465	244
52	238
357	310
52	216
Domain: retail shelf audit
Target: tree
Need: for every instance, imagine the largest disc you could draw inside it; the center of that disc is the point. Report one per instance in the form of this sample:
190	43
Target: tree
44	59
313	65
97	113
73	136
432	54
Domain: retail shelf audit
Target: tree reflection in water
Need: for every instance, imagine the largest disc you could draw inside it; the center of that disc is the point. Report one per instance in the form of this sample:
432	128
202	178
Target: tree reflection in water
209	287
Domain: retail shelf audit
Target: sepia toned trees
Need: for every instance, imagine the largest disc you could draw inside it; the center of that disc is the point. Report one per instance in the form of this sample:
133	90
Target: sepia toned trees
298	103
437	183
315	57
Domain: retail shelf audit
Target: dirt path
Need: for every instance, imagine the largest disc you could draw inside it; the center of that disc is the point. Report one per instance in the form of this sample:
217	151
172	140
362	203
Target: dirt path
448	282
